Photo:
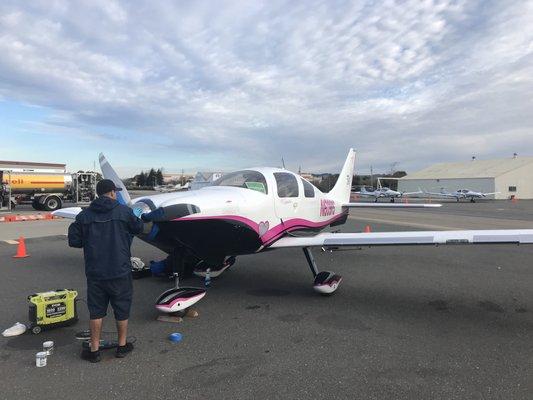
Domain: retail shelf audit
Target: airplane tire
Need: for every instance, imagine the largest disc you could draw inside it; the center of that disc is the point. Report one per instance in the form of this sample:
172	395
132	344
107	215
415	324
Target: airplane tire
326	283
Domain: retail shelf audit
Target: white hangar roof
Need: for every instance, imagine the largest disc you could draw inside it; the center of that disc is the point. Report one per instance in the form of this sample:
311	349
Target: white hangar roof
471	169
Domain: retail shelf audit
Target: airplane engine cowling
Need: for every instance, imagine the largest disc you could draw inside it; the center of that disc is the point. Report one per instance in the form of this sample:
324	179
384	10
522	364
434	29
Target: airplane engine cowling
168	213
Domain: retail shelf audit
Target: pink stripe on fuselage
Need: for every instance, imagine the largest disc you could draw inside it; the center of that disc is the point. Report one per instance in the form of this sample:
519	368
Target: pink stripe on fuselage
275	232
294	224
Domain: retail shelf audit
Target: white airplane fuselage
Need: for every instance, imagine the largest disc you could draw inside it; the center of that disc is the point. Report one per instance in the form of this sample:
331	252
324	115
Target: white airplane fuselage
466	193
229	221
381	193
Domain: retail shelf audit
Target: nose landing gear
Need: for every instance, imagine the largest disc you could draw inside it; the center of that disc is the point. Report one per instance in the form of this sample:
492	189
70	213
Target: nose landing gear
201	268
326	282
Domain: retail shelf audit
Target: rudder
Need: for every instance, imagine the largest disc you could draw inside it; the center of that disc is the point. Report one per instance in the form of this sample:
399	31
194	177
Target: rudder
123	196
342	189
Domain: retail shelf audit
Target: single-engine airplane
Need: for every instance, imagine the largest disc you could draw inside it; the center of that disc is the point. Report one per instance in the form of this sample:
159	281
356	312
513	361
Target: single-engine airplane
385	192
462	194
263	209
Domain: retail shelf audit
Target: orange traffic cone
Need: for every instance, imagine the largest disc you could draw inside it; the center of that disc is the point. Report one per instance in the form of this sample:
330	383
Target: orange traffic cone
367	229
21	249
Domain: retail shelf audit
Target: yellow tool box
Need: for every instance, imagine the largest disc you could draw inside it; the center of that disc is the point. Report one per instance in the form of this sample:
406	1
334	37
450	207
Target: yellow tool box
52	309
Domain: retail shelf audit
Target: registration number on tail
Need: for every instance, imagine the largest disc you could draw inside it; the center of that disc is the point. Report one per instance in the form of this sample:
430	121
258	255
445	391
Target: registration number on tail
327	207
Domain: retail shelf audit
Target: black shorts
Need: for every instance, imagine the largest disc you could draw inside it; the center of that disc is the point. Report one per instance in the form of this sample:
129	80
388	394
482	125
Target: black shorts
118	292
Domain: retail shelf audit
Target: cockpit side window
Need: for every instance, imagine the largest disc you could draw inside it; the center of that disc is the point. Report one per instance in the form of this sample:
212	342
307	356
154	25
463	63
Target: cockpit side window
247	179
287	184
309	190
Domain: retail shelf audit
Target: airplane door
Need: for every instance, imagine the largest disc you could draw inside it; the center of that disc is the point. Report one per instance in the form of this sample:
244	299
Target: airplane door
287	195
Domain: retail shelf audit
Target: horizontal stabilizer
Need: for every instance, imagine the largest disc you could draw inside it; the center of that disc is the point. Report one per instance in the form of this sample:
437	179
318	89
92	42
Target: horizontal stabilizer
69	213
391	205
511	236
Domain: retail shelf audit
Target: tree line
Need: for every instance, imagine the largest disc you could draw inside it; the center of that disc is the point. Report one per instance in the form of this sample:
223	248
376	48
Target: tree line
150	178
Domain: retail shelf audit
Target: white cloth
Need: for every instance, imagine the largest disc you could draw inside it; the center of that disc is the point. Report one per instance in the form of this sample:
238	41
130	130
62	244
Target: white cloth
136	263
15	330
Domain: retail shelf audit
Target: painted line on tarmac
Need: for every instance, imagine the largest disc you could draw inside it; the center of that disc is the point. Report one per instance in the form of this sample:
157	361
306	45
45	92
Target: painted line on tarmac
411	224
55	235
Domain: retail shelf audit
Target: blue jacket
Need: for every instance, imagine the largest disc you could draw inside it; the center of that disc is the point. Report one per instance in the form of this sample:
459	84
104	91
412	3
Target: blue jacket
104	230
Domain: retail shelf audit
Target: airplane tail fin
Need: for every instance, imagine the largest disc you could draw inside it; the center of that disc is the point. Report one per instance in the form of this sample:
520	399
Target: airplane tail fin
123	196
341	190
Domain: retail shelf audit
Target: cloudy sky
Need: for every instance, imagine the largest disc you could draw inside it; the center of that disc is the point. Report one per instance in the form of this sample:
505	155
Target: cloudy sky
230	84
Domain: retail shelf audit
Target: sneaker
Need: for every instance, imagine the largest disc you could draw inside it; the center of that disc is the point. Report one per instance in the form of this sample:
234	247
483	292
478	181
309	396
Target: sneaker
92	356
123	350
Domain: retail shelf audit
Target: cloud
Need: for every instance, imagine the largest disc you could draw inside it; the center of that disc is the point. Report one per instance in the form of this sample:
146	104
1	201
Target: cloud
411	81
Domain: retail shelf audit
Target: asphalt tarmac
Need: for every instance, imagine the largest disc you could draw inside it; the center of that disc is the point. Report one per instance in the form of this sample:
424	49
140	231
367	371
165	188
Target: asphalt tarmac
448	322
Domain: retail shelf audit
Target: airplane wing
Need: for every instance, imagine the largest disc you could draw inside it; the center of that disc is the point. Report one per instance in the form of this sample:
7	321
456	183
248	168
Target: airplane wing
69	212
412	193
390	205
441	194
369	194
516	236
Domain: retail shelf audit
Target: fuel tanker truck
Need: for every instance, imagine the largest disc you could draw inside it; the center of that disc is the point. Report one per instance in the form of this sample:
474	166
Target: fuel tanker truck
47	191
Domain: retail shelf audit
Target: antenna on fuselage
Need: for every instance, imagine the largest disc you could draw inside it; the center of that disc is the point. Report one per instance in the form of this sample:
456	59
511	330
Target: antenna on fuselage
283	162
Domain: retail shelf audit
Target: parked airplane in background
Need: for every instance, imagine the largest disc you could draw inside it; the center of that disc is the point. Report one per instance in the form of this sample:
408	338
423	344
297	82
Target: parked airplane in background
385	192
462	194
263	209
172	188
163	188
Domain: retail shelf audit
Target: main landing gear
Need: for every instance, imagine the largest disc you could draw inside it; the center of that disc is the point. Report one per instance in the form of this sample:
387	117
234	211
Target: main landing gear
326	282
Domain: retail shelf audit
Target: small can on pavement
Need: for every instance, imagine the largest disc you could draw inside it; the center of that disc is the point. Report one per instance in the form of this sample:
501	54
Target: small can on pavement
40	359
48	347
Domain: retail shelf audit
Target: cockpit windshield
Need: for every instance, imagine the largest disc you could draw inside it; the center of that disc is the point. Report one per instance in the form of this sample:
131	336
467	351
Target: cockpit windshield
244	179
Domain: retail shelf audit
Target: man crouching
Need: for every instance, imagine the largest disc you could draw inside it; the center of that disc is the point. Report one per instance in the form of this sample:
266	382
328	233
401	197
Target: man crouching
105	231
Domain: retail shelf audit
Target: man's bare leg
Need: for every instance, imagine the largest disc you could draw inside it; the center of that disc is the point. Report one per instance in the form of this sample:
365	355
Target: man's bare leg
122	329
96	330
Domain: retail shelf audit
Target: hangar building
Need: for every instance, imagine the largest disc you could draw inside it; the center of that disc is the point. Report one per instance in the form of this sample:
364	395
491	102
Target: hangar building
509	176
